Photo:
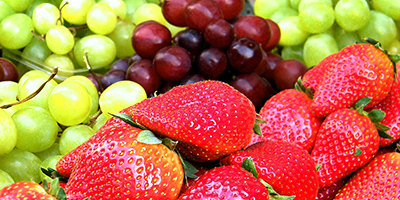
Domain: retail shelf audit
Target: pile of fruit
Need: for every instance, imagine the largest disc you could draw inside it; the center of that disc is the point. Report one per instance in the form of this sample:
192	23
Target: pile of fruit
199	99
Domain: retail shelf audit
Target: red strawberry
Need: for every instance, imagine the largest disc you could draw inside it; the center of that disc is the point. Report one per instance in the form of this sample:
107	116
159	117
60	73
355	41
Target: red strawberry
209	119
346	140
226	182
288	168
378	180
289	117
24	190
120	167
329	192
357	71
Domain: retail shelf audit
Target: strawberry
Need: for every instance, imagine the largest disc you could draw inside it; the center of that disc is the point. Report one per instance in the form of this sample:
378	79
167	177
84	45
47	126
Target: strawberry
226	182
287	167
209	119
26	190
346	140
329	192
288	117
378	180
357	71
121	167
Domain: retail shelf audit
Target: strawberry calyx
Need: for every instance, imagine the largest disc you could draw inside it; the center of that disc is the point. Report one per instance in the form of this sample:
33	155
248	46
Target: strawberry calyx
53	188
248	165
256	127
299	86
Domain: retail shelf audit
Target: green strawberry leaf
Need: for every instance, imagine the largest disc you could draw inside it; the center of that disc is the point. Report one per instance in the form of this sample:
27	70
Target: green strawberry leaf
273	195
361	103
249	166
45	185
171	144
299	86
376	115
54	187
358	152
148	137
318	166
384	135
256	127
53	174
188	168
127	119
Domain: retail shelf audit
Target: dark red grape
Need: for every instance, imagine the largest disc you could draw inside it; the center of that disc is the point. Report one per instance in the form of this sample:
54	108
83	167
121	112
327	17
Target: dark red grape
275	36
149	37
273	60
244	54
8	71
174	11
93	79
166	86
199	13
253	27
212	62
134	58
144	73
121	64
219	34
263	65
287	72
192	78
112	77
253	87
172	63
230	8
192	40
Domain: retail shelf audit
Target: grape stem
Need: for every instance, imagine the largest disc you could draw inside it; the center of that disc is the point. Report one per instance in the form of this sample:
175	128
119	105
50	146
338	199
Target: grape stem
86	59
37	36
31	96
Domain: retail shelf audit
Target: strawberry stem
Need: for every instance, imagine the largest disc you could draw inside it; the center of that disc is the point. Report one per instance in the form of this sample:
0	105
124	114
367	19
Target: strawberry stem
299	86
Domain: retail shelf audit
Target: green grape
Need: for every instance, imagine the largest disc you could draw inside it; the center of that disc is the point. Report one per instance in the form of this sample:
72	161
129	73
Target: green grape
33	5
295	4
15	31
5	179
118	7
394	47
9	90
49	152
70	103
36	50
101	19
343	37
30	85
316	17
389	7
352	15
149	11
380	27
133	5
291	33
293	52
11	110
45	17
122	36
60	40
307	2
120	95
174	29
74	136
36	129
5	10
20	5
64	64
8	133
101	50
21	165
100	121
75	11
317	47
260	7
154	1
49	162
283	13
30	73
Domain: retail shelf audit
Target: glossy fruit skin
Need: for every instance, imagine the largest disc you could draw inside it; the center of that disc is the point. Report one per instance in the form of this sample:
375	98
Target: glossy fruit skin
120	167
26	190
210	119
358	70
340	135
226	182
289	118
378	180
288	168
329	192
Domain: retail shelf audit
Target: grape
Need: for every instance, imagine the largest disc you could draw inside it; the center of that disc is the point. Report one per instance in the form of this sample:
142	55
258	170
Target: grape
283	13
343	37
212	62
144	73
15	31
192	78
174	29
21	165
192	40
70	103
5	179
30	73
219	34
275	36
293	52
317	47
147	12
394	47
122	36
308	2
174	11
36	51
273	60
45	17
75	11
272	5
199	13
117	6
119	96
74	136
352	15
112	77
94	81
262	65
5	10
60	40
8	133
380	27
230	8
10	71
49	162
291	32
121	64
149	37
287	72
132	6
36	129
172	63
244	54
100	121
30	85
64	64
316	17
101	50
101	19
388	7
9	90
253	27
295	4
20	5
49	152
